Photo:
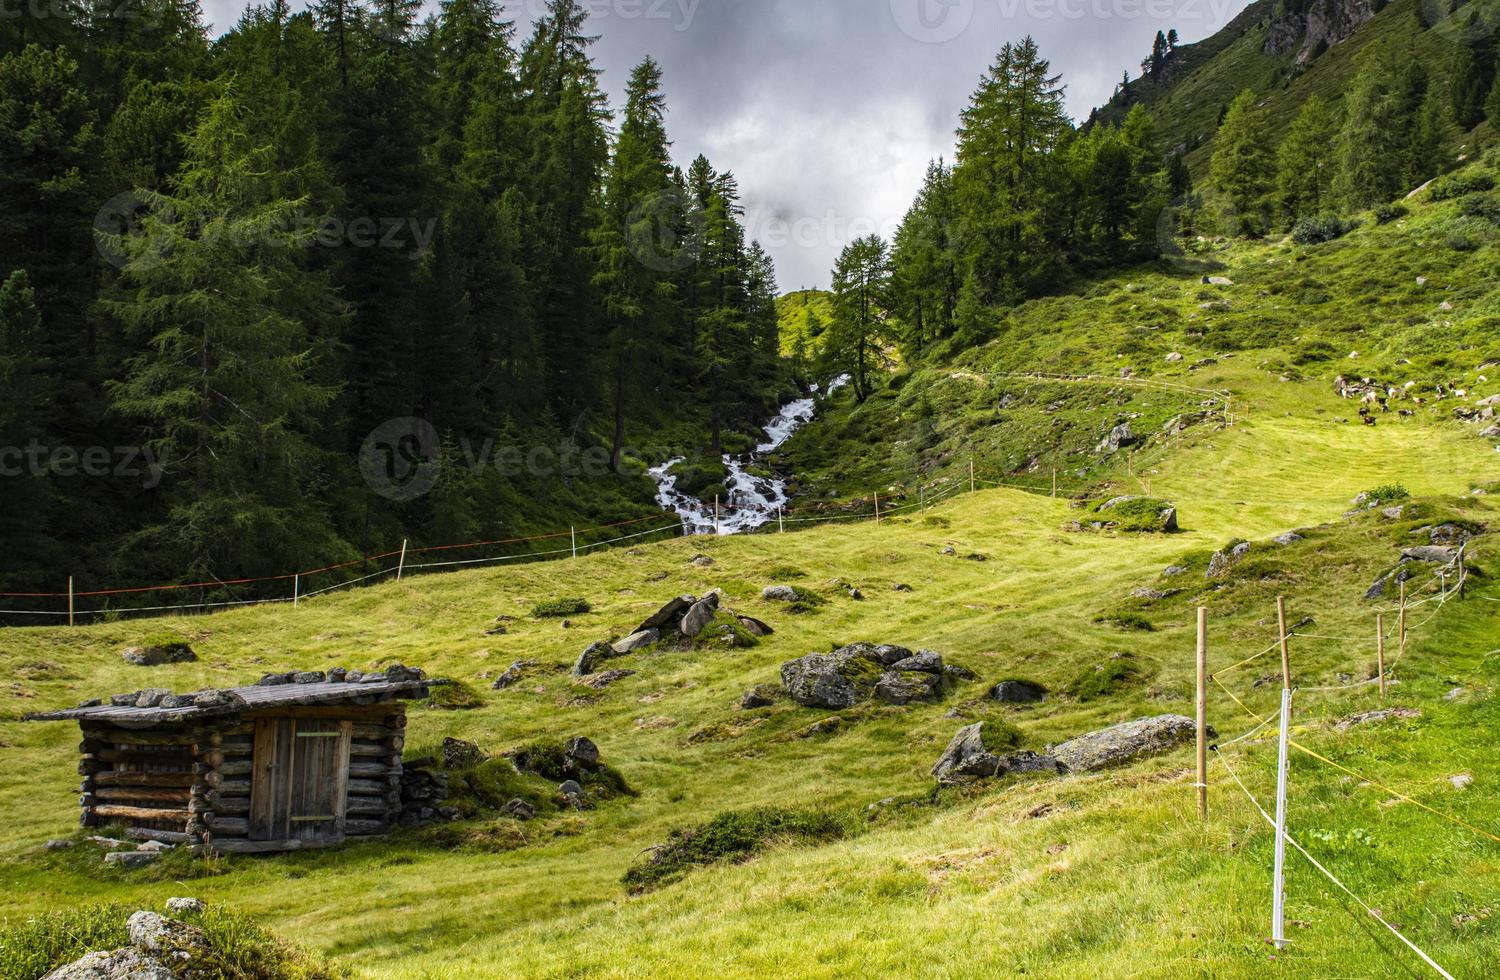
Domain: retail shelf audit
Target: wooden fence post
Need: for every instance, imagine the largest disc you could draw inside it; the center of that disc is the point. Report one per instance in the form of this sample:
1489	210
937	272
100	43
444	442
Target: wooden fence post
972	485
780	520
877	508
1203	714
1054	481
717	529
401	564
296	590
1401	626
70	600
573	539
1380	650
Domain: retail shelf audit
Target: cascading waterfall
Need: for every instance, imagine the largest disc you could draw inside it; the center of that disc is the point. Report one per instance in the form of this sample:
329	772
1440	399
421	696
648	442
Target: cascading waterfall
753	500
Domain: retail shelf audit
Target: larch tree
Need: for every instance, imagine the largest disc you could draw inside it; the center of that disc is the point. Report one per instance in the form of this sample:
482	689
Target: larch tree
1304	166
1243	169
855	341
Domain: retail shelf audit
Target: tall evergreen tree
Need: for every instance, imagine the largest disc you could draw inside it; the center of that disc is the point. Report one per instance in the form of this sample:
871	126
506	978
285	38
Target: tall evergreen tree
1472	76
1304	167
1243	166
1005	178
632	254
855	341
222	386
1373	146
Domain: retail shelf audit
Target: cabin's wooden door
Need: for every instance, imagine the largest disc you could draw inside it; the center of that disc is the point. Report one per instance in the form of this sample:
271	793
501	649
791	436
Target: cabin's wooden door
300	779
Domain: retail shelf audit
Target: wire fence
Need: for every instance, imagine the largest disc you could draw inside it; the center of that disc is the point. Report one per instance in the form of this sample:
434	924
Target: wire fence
92	604
1398	630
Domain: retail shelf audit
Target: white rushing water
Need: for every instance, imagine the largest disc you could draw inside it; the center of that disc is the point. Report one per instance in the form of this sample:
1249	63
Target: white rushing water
753	500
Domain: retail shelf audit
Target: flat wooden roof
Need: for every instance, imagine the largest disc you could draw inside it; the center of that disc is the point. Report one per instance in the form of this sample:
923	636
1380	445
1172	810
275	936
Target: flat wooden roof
254	698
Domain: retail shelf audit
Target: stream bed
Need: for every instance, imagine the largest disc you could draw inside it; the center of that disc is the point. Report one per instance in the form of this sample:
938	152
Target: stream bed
754	501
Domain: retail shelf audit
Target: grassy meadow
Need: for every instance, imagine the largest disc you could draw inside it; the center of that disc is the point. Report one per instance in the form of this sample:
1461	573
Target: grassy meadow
1101	874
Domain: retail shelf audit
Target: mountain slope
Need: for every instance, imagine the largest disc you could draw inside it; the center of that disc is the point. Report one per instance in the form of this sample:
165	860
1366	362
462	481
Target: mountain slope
1200	80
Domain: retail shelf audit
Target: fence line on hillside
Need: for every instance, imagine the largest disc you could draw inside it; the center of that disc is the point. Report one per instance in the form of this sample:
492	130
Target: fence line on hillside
396	563
1398	629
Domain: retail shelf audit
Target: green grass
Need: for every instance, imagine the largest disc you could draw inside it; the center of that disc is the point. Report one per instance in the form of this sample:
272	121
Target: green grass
1099	875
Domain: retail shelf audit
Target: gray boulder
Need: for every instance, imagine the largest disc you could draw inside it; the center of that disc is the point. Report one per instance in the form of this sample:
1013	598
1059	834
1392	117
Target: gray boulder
131	859
1437	554
966	759
1287	539
167	938
668	615
156	656
581	753
838	680
925	662
755	627
571	789
591	658
697	618
959	673
1119	437
514	674
519	809
636	641
186	906
1019	692
902	687
779	593
119	964
887	654
1124	743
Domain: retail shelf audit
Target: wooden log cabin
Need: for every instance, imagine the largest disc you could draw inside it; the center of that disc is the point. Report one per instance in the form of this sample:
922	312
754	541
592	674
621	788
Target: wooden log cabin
295	761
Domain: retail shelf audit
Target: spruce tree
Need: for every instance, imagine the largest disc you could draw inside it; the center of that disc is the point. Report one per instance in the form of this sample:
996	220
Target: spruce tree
855	342
1243	169
1469	86
223	385
632	254
1492	104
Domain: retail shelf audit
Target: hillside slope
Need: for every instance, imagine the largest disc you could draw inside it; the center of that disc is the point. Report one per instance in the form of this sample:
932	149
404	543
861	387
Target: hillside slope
1266	49
1089	875
1413	304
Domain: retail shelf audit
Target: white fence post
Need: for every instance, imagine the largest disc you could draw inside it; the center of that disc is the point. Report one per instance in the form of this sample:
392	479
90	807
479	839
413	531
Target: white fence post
573	537
1278	894
296	590
401	565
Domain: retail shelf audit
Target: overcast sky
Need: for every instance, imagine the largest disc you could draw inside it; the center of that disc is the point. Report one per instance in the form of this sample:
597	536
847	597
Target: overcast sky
829	110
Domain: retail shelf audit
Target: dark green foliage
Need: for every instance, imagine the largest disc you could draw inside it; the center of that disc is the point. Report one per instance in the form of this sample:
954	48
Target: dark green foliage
487	786
1387	213
558	608
1105	678
1486	206
1386	495
1243	168
237	948
1133	622
1324	228
1461	184
548	759
733	838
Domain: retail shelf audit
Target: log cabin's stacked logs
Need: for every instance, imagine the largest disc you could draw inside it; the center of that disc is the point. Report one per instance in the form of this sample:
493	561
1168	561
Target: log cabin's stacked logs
374	799
226	785
144	779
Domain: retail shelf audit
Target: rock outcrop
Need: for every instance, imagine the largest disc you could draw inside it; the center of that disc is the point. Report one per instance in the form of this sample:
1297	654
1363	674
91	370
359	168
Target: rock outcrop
967	759
864	671
156	656
1124	743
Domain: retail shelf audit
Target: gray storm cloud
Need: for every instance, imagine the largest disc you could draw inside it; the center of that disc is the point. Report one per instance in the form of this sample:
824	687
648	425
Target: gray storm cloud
828	111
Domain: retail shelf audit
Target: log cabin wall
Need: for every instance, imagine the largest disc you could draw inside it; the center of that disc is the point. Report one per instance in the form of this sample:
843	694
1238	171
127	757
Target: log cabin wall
145	779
